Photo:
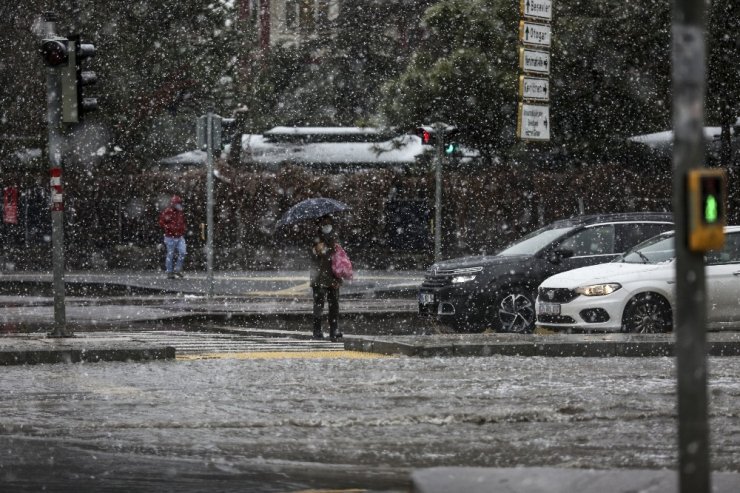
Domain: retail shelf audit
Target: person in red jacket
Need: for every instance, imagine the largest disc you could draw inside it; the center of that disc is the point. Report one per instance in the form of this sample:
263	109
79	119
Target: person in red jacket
172	221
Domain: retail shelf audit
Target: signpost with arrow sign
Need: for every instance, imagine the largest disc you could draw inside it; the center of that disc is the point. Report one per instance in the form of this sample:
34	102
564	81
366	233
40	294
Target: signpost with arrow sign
538	9
533	122
535	37
534	61
534	88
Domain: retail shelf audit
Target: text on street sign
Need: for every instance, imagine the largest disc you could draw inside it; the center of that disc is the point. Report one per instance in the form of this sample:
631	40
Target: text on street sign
534	61
541	9
534	88
533	122
535	34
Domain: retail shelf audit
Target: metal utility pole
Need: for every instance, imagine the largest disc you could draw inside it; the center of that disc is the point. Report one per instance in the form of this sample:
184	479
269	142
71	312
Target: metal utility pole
54	119
209	130
439	130
689	75
209	199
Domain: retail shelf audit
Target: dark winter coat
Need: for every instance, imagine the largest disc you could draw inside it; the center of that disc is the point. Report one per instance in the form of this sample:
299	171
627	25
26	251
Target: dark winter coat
321	273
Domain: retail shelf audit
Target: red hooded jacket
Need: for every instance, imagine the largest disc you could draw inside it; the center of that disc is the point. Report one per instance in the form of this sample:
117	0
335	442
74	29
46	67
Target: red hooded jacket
172	220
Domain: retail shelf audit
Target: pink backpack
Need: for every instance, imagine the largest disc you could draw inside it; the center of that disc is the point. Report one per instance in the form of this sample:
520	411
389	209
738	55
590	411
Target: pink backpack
341	266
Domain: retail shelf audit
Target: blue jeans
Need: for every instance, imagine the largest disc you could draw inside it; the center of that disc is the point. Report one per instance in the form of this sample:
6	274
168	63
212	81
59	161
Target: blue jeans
173	244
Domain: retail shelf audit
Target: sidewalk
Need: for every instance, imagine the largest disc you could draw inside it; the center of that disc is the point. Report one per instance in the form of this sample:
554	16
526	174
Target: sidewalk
23	349
553	480
554	345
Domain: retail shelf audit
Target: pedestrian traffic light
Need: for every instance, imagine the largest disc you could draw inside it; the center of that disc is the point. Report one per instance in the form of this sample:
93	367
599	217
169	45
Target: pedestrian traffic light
54	52
75	79
426	134
451	145
706	200
430	136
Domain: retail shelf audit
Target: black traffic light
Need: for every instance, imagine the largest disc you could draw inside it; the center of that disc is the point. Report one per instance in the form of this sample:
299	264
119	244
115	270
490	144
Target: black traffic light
54	52
75	79
707	199
429	136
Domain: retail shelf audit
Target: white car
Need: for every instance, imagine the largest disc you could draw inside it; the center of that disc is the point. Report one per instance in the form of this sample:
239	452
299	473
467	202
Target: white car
637	292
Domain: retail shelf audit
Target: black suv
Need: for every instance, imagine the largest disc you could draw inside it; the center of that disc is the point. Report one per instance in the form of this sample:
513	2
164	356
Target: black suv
498	291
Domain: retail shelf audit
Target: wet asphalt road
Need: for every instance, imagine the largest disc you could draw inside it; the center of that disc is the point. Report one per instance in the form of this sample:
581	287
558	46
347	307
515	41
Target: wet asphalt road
286	425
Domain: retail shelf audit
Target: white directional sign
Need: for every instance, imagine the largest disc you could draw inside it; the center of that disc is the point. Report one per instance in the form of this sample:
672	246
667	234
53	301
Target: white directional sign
534	61
533	122
535	34
534	88
541	9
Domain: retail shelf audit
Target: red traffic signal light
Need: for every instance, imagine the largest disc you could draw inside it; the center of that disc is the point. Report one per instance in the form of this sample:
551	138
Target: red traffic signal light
426	136
54	52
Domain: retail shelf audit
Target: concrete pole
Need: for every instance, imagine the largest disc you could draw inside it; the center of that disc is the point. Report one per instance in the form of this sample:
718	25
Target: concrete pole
689	76
209	200
53	120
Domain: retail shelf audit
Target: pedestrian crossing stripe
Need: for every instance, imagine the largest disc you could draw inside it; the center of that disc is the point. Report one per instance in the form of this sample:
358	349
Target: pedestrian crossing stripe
191	345
284	355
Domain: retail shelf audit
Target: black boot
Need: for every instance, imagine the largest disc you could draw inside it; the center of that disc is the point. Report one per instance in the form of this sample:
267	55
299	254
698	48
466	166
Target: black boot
335	335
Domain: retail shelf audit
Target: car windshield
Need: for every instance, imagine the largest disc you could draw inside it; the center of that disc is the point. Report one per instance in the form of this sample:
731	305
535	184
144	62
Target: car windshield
653	251
534	242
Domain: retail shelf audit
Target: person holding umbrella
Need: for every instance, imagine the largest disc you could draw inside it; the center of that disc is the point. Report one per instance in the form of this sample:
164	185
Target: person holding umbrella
324	284
319	212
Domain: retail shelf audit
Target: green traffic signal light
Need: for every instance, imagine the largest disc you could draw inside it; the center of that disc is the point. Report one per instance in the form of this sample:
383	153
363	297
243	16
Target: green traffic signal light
706	191
451	147
711	212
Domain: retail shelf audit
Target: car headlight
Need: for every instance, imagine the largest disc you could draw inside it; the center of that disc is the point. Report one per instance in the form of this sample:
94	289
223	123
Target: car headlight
465	275
598	289
459	279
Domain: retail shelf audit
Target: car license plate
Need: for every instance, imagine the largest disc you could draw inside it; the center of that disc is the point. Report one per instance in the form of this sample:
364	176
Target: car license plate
426	298
549	309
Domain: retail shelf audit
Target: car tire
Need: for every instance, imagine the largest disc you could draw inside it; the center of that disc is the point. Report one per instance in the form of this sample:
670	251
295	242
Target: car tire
515	311
647	313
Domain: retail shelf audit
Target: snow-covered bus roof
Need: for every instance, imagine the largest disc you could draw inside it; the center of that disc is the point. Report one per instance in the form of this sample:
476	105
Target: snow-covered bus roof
403	149
664	140
352	147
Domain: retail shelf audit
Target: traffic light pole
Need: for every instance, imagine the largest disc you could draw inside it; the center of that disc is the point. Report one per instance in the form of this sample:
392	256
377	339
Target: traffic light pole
53	119
439	153
209	200
688	152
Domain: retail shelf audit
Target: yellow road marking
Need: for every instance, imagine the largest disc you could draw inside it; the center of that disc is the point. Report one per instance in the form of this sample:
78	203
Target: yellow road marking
331	491
283	355
293	290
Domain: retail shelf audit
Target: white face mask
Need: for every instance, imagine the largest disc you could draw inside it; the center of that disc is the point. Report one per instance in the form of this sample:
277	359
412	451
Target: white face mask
326	228
178	207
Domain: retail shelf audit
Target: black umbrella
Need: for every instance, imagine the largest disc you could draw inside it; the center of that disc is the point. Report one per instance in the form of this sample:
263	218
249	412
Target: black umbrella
311	209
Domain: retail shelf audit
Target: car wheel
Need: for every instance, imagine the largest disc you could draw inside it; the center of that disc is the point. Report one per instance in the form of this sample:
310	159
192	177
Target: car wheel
647	313
516	311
